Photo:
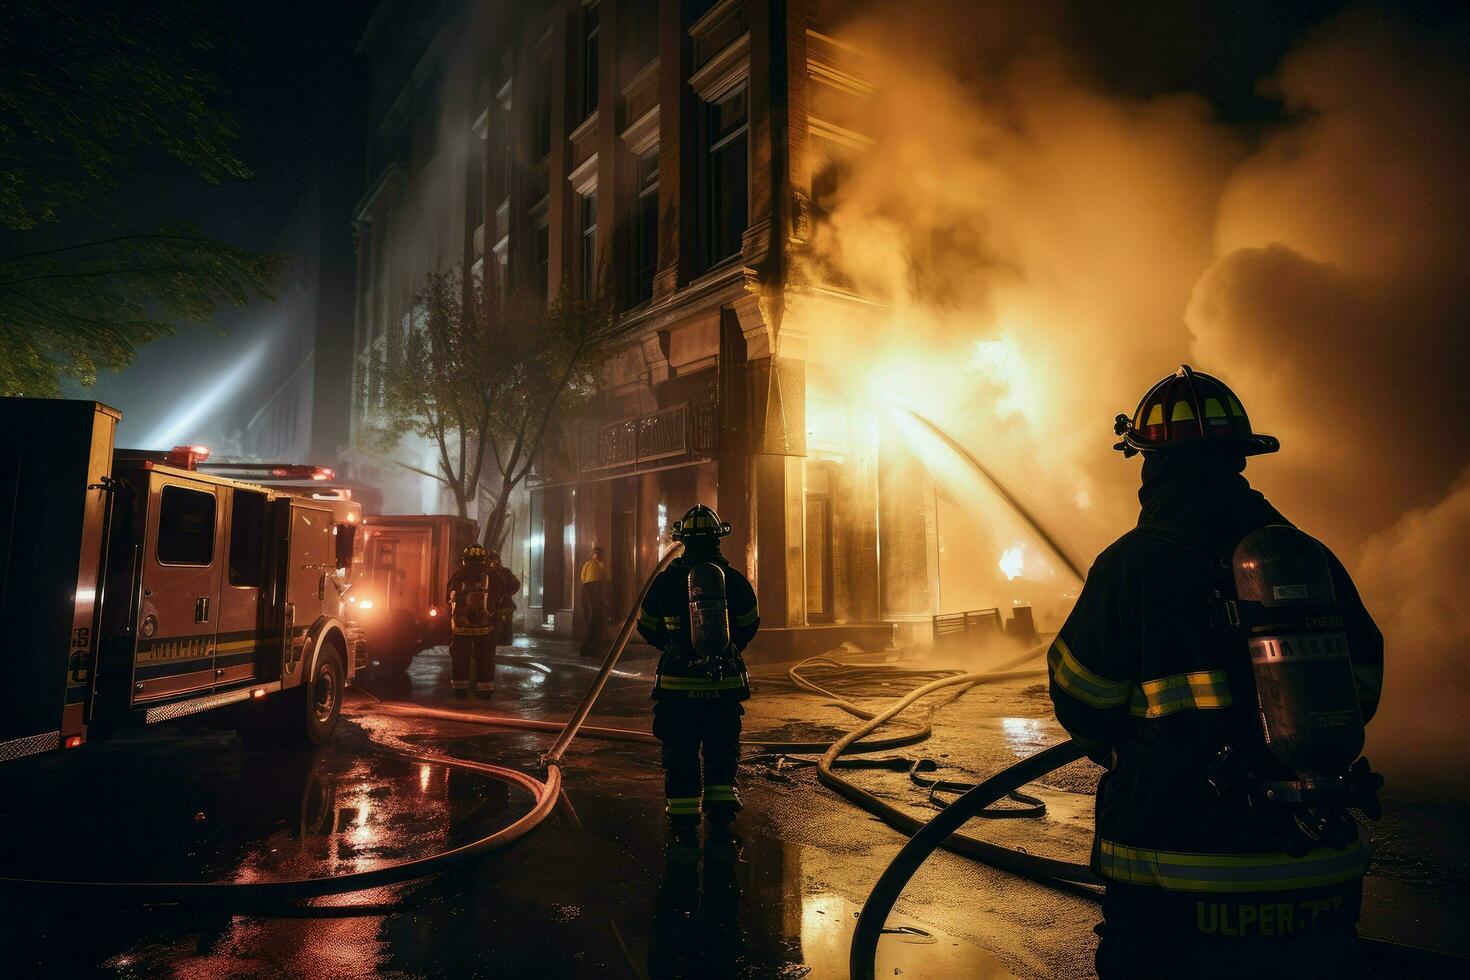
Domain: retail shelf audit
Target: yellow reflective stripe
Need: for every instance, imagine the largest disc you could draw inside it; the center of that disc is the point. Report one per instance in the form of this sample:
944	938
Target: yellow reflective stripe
651	621
682	804
672	622
1180	871
1182	412
1081	683
700	683
745	619
721	794
1199	690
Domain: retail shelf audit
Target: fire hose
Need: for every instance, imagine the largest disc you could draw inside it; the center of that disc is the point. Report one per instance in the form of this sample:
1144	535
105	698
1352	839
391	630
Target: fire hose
545	793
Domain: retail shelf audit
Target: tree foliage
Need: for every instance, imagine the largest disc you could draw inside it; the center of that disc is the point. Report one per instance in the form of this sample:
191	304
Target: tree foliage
487	378
90	93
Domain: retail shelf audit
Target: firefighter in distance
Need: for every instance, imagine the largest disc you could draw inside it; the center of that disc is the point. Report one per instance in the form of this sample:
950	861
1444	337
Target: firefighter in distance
1220	665
478	593
701	614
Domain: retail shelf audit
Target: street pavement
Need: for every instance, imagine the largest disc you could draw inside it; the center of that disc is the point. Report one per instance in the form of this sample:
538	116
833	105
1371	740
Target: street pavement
597	890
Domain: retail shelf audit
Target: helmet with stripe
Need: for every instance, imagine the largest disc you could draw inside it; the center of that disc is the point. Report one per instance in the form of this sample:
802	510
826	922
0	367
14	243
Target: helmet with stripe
699	521
471	553
1190	408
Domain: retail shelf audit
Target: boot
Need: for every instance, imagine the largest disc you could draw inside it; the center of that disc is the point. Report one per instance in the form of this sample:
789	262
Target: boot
682	842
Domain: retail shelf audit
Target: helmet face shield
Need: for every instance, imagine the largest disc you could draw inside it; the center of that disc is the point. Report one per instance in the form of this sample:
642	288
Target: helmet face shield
1190	409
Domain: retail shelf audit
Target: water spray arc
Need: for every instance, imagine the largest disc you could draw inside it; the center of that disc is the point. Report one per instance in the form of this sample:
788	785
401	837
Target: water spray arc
1012	501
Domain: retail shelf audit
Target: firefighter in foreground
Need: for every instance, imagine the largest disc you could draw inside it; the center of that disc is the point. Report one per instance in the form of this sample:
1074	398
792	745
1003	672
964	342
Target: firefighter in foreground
700	613
478	591
1220	665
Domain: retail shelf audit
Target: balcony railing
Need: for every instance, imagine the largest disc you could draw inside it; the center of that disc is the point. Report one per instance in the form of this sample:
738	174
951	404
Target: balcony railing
649	440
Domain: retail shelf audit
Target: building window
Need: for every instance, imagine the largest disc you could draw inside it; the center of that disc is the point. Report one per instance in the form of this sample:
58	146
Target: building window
587	260
724	190
645	229
591	19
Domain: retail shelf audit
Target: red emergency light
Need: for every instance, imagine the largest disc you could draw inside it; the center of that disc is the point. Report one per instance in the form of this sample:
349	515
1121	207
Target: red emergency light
186	457
303	472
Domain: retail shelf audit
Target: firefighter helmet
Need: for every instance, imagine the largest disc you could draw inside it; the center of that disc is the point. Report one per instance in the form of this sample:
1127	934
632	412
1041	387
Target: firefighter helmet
1190	408
699	521
471	553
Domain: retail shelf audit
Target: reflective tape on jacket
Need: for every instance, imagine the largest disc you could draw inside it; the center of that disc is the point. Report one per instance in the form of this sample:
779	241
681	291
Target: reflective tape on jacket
649	621
672	622
1200	690
1084	685
746	618
701	683
1181	871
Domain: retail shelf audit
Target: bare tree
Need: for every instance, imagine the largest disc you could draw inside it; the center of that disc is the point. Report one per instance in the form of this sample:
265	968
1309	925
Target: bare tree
487	377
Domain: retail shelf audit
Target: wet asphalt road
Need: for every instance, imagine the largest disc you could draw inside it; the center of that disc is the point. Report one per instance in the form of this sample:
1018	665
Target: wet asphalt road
597	890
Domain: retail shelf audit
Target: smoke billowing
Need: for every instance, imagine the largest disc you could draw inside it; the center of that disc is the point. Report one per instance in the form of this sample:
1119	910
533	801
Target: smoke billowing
1046	247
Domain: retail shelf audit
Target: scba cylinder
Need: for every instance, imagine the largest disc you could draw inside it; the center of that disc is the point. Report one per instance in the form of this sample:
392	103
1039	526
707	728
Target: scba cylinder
1303	671
709	613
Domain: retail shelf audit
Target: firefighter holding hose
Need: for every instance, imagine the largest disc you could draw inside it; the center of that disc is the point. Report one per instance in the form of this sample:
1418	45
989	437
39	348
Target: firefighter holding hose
478	594
1220	665
700	613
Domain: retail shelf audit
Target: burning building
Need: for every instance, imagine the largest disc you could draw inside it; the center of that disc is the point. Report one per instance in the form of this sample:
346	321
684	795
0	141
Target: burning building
679	156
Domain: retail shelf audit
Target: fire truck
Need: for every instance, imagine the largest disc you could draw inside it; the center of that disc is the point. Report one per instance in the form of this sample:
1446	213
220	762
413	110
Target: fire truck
400	580
136	589
400	570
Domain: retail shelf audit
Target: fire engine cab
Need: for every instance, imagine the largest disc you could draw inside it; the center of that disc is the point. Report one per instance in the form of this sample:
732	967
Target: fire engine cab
137	589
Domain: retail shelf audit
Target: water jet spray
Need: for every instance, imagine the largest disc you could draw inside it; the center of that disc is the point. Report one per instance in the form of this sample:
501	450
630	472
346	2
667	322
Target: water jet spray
1011	500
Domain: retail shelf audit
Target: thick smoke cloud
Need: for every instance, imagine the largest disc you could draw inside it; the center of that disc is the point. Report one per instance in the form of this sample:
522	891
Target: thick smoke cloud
1047	247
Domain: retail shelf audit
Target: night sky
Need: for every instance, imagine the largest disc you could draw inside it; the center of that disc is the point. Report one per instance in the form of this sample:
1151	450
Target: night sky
290	76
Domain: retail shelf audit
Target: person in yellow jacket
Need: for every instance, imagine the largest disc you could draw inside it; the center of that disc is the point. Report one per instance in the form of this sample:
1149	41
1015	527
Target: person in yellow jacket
595	587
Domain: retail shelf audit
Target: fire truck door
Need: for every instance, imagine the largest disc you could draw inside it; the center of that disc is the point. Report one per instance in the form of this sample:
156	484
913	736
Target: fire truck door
178	606
310	559
245	631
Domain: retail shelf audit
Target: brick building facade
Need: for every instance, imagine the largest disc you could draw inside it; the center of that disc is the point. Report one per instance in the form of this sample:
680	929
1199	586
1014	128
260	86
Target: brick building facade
674	153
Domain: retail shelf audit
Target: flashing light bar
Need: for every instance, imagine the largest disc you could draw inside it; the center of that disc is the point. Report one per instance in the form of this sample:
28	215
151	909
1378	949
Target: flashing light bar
187	457
301	471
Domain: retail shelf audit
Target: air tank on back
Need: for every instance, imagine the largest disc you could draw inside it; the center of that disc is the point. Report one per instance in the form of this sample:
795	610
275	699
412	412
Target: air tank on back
1299	653
709	613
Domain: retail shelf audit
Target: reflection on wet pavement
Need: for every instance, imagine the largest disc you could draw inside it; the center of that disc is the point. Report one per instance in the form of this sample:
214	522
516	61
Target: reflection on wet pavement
595	891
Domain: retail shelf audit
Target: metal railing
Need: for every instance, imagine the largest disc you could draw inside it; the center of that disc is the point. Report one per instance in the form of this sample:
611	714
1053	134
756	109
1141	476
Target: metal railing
967	628
683	430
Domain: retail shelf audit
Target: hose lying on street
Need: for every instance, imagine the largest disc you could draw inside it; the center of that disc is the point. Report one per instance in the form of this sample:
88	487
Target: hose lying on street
1390	958
544	792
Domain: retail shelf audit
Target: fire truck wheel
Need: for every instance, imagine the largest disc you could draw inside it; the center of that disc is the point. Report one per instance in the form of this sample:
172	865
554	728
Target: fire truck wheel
322	696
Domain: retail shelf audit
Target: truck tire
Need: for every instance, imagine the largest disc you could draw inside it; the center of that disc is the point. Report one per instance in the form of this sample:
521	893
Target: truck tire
320	702
304	715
